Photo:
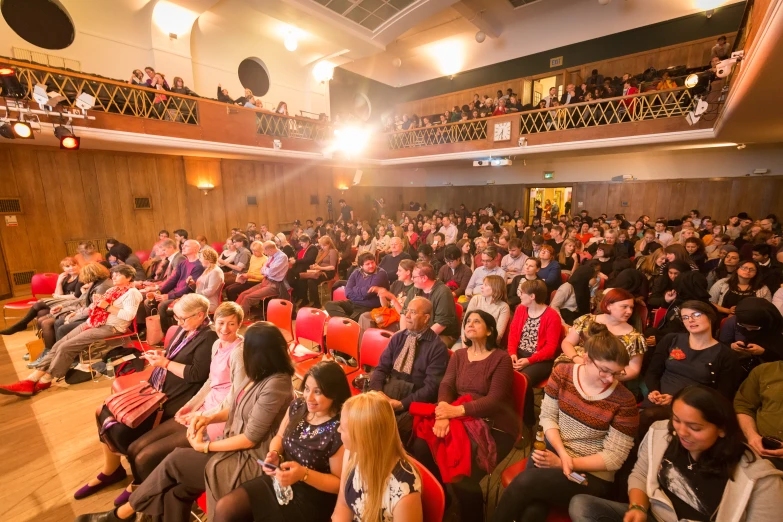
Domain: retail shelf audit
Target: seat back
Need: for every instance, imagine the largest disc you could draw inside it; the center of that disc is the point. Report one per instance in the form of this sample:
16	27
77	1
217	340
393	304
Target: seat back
339	294
143	255
433	498
460	312
374	342
342	335
519	391
310	325
278	312
218	246
43	284
169	335
658	316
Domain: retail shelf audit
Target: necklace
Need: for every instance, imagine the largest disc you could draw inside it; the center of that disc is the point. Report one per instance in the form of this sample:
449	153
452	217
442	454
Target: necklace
690	462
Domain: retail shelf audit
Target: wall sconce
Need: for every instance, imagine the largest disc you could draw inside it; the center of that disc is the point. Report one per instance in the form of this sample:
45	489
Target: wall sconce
343	188
206	187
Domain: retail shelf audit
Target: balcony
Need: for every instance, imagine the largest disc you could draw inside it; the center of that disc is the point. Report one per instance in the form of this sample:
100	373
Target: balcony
142	115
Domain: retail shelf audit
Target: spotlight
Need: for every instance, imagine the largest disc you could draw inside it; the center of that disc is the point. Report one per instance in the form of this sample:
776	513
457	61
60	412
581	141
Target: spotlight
350	140
741	146
85	101
70	143
691	81
40	95
701	108
23	130
6	131
61	132
10	83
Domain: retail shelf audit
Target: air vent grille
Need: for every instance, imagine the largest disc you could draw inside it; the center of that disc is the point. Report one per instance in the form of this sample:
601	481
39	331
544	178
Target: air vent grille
252	201
23	278
10	206
142	203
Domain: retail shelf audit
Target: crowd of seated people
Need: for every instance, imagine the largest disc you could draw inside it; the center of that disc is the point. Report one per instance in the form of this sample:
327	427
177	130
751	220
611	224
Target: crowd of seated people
653	358
591	89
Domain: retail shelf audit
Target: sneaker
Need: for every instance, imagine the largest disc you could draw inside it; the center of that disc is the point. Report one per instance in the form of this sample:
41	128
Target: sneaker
33	365
25	388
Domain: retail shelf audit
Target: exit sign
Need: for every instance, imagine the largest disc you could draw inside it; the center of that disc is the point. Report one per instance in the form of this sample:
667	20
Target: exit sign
549	175
556	62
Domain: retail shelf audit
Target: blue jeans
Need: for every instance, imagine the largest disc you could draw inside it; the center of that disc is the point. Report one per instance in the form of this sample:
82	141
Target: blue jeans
534	491
586	508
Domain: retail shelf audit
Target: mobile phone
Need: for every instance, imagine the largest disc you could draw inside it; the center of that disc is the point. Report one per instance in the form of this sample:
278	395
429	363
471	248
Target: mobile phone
267	464
577	477
771	443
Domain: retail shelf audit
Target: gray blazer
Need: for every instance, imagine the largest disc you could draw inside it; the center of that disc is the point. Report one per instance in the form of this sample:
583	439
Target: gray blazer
258	415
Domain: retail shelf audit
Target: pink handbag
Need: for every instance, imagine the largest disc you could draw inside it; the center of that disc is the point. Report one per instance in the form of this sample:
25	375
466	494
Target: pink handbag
134	405
154	330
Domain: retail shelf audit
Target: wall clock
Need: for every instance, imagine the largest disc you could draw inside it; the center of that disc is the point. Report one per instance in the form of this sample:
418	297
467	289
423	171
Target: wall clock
503	131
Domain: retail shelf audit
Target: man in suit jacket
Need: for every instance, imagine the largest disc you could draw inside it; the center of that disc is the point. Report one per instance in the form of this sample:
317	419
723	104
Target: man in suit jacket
569	96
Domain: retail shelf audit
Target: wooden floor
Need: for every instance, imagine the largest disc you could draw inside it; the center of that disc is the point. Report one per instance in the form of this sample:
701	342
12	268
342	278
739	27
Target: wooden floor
49	446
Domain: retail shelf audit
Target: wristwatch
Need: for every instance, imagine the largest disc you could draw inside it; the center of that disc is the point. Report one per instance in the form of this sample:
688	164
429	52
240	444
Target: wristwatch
637	507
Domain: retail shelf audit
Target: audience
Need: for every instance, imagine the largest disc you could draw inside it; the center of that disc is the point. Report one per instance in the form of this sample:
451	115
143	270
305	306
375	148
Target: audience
492	300
489	261
455	273
273	285
360	289
444	313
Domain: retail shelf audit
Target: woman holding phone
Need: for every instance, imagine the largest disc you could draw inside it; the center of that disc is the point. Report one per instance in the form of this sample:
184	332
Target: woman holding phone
304	461
589	421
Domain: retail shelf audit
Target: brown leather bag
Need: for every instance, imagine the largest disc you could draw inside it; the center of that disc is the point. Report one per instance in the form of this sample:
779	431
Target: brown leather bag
134	405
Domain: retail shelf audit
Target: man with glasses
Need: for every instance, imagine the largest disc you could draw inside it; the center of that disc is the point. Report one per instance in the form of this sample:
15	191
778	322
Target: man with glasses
176	285
361	289
444	312
488	258
412	364
454	271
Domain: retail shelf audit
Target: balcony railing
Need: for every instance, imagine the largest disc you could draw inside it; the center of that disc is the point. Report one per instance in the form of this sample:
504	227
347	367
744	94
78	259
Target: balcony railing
110	96
637	107
271	124
470	130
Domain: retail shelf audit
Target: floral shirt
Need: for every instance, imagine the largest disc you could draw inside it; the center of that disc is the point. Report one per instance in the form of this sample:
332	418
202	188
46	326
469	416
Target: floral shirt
403	481
633	341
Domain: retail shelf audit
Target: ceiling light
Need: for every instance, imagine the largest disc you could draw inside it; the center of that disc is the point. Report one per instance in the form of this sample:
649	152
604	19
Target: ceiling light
397	62
691	81
481	36
323	71
449	56
23	130
291	42
350	140
61	132
70	143
173	19
6	131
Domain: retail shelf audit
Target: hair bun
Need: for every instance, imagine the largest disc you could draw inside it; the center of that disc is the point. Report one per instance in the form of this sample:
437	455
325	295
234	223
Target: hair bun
597	328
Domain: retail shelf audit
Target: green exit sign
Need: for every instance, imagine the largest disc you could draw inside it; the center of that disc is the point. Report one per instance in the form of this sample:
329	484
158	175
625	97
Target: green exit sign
549	175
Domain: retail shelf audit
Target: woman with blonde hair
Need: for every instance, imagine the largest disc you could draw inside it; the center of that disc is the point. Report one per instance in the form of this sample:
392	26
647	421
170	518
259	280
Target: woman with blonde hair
210	282
322	270
379	482
568	258
652	266
492	300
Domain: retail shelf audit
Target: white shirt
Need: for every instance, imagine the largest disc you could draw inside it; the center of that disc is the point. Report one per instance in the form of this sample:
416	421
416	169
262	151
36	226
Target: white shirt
477	279
664	238
450	232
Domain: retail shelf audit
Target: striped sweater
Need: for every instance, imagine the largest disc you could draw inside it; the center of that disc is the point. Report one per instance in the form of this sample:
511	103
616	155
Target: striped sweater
603	424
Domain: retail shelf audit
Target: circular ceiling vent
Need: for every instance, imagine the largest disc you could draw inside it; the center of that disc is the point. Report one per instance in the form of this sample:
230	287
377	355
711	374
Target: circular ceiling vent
43	23
254	75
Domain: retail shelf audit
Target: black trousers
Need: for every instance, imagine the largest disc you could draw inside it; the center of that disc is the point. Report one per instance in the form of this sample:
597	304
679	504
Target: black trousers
149	450
467	490
345	308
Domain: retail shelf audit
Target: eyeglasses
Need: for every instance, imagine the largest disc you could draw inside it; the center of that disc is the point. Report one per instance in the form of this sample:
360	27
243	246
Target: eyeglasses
604	371
181	320
694	315
418	276
747	268
749	327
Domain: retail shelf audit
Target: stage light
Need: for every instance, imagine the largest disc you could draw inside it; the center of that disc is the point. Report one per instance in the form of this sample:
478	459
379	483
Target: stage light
85	101
448	55
61	132
691	81
70	143
10	83
23	130
323	71
173	19
6	131
350	140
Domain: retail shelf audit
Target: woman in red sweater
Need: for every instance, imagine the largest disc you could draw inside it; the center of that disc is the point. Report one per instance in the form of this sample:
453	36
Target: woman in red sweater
480	376
533	340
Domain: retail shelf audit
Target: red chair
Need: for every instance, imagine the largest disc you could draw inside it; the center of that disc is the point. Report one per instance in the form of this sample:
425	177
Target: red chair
342	335
201	502
433	498
339	294
218	246
374	342
126	381
41	285
278	312
460	312
519	391
143	255
564	276
309	326
659	315
555	514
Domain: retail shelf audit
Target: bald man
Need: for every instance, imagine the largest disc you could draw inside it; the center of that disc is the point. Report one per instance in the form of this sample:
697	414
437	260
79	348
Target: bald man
390	262
412	365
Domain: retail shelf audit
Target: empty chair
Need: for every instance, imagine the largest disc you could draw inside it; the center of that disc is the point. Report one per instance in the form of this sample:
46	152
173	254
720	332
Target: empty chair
40	286
278	312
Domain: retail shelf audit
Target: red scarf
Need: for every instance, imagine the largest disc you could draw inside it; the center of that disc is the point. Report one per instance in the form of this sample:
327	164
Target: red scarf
99	316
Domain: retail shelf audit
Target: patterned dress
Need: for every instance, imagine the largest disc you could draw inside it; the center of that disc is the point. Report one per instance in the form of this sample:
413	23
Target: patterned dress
403	481
633	341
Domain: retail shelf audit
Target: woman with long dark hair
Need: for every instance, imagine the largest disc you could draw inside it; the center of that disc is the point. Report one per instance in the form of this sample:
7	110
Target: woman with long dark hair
572	299
746	282
696	466
304	459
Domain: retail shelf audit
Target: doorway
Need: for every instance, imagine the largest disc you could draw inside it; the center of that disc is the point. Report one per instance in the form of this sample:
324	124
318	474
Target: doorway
548	197
541	88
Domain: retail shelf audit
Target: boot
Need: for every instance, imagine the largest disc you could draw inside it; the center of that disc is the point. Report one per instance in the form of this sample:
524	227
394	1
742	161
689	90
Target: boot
21	325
